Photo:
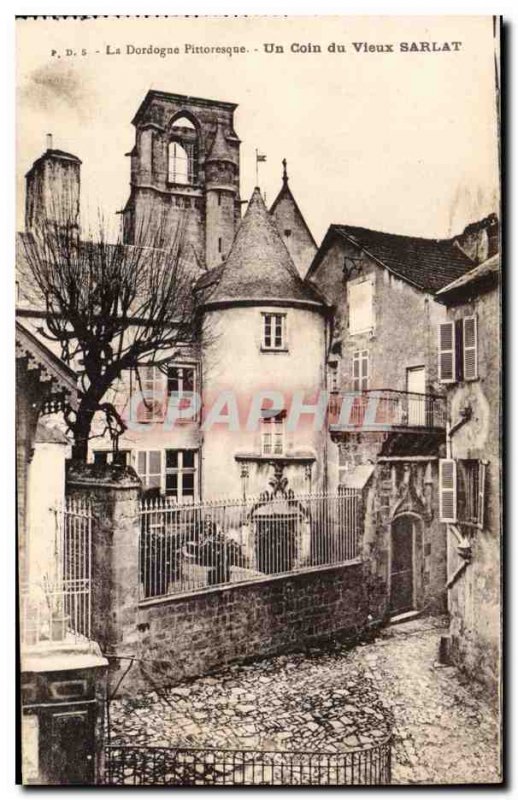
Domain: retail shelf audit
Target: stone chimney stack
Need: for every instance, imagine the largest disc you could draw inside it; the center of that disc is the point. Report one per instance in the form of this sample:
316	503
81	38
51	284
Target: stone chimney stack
52	189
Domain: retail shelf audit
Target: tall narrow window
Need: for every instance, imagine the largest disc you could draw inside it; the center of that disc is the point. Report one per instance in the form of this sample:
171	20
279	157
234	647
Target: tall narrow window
360	370
272	435
274	332
149	468
180	474
179	163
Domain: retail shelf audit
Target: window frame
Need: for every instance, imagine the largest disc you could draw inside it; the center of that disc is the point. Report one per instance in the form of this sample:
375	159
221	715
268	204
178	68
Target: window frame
160	379
458	351
179	470
361	357
275	434
272	348
188	145
467	491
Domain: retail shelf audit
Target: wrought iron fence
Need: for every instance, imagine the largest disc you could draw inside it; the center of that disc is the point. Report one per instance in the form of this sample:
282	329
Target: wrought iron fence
379	408
188	547
179	766
57	607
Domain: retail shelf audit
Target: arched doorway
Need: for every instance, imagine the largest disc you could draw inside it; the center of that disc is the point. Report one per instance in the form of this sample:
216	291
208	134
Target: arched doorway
404	556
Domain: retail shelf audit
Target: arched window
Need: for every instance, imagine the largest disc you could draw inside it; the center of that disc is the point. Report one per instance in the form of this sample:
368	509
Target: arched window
183	122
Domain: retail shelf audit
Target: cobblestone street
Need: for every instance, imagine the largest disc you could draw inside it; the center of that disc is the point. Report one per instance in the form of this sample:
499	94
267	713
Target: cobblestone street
330	700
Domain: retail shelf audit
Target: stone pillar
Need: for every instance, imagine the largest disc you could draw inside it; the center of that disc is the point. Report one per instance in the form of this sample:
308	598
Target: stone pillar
114	495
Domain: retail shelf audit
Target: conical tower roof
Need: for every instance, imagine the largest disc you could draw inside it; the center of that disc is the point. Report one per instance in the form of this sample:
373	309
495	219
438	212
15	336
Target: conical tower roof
220	150
259	267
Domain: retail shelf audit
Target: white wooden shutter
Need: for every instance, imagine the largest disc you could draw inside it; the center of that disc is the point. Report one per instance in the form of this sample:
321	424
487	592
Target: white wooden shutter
470	356
481	494
447	352
447	490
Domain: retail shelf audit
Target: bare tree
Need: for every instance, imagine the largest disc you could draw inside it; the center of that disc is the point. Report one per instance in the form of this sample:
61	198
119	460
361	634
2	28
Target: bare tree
111	306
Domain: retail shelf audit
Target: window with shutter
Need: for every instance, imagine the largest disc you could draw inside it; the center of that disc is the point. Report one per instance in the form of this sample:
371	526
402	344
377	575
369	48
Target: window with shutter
447	490
481	493
470	366
447	352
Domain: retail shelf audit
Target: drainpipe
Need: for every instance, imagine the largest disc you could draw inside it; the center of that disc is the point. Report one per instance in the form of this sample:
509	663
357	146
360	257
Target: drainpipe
465	415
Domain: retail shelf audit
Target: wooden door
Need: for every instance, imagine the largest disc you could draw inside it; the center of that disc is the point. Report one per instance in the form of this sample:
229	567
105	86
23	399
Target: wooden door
402	565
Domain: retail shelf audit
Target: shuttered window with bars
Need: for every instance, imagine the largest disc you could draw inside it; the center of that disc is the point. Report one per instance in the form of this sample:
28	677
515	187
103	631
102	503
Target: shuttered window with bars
462	491
458	350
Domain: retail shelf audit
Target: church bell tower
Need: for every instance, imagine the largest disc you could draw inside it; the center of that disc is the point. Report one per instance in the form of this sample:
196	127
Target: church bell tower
185	164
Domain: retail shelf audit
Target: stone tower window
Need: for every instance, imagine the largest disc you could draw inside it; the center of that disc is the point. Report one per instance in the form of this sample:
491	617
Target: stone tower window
182	157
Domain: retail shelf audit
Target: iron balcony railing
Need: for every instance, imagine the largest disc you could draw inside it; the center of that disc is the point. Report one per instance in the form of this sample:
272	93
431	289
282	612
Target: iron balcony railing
386	409
189	547
57	607
180	766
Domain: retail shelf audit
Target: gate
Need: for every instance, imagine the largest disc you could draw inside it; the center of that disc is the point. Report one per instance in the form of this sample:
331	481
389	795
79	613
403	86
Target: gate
180	766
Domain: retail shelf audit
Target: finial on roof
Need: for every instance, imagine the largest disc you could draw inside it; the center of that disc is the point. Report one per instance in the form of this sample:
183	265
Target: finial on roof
284	171
49	141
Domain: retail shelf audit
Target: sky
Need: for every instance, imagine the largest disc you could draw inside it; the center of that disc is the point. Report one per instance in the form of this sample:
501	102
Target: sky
399	141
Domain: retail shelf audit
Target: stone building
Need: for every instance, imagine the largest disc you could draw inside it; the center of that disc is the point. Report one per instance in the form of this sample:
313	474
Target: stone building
388	429
471	504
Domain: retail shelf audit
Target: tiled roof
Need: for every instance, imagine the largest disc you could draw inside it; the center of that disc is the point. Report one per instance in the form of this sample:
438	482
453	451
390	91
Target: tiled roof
481	273
426	263
259	266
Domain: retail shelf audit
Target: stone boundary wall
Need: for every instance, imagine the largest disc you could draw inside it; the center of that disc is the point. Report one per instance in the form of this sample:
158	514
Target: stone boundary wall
188	636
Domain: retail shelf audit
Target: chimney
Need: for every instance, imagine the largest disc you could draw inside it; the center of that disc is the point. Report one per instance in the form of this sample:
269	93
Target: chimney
52	188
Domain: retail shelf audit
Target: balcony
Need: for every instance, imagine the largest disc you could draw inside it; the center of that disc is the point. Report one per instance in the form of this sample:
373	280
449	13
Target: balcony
386	410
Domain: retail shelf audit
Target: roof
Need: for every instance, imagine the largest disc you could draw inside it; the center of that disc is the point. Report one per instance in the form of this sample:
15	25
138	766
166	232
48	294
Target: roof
220	150
59	154
181	99
483	274
286	193
428	264
259	267
51	367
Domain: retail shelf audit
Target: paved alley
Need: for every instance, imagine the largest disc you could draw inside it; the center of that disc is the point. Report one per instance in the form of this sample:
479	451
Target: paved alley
330	700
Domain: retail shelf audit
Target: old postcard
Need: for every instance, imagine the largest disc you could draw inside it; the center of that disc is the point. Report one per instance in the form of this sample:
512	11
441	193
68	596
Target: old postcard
258	360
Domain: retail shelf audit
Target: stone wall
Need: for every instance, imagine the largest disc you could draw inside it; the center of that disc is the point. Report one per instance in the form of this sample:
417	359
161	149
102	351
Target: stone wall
474	601
192	635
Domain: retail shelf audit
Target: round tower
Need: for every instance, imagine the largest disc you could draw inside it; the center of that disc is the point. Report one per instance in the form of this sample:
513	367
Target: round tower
262	368
222	206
